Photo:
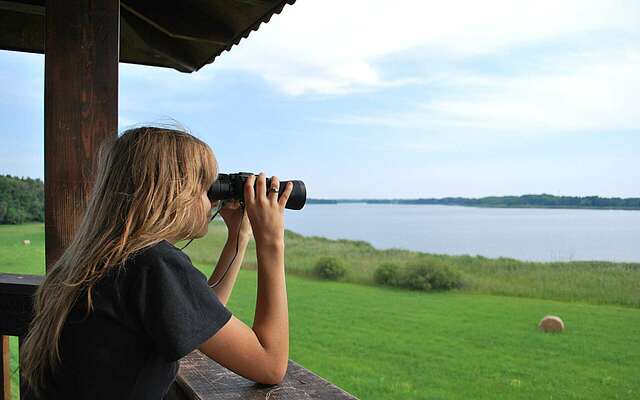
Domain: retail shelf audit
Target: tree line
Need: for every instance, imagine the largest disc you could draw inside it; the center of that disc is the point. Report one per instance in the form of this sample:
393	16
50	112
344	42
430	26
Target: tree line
525	201
21	200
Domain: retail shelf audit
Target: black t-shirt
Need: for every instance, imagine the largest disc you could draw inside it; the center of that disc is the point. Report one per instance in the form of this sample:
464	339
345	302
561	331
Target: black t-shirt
147	315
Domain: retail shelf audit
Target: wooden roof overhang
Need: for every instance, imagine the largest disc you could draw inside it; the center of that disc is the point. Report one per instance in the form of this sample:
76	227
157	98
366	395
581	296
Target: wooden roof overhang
181	34
83	42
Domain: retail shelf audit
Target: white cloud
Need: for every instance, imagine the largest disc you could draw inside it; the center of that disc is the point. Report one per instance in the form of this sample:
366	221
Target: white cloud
331	46
598	91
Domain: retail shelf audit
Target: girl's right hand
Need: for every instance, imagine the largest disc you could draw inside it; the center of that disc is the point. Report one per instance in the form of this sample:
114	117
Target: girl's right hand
266	212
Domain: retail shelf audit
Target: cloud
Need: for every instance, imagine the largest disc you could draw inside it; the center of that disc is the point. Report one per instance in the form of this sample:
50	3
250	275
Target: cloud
591	91
332	47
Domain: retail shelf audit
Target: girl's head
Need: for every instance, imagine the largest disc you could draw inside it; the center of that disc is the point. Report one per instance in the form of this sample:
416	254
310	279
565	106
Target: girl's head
150	186
151	183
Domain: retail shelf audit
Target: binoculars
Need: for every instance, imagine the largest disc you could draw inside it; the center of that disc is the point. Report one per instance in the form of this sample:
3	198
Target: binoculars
231	187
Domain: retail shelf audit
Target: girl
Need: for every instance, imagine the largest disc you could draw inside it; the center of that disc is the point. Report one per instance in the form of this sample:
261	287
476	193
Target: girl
122	305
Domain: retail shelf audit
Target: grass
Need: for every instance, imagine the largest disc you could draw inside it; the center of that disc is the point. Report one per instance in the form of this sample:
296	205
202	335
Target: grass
592	282
380	343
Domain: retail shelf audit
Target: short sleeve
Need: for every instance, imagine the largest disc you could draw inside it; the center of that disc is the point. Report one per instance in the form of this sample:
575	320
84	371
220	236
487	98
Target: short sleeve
177	307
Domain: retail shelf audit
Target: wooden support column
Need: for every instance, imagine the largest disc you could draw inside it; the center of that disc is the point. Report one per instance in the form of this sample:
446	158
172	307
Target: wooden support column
5	370
80	108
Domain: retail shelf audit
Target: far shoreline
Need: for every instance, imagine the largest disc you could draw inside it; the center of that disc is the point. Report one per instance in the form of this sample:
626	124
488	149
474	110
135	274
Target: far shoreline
316	202
527	201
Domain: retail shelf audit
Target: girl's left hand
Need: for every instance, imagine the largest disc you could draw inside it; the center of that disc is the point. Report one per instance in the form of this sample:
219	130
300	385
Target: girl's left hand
236	219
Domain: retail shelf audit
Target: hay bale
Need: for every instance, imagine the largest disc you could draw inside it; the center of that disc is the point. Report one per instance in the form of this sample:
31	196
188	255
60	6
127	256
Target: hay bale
551	323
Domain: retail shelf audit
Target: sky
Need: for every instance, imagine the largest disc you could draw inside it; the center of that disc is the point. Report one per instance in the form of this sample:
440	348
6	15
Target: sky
405	99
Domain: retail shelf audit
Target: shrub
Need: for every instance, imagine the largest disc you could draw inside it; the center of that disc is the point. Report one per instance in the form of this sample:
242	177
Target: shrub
430	274
387	274
329	268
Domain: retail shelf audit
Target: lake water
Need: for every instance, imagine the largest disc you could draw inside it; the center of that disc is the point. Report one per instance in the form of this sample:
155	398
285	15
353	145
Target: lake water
526	234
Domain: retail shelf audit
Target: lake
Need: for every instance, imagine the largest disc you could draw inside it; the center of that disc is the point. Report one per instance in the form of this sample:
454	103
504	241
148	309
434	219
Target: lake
522	233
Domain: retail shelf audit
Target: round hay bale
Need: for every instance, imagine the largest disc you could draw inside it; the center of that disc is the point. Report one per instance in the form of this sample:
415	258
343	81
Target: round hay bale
551	323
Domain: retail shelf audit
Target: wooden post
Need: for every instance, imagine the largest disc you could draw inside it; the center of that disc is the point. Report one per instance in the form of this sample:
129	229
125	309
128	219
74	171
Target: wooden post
80	108
5	369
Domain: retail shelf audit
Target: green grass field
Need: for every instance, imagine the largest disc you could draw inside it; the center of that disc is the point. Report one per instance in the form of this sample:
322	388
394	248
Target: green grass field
380	343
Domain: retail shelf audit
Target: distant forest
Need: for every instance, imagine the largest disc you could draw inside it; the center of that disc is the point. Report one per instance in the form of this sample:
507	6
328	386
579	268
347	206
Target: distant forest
21	200
526	201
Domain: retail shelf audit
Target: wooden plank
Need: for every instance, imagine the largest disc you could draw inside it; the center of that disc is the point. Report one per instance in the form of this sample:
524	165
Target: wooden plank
182	20
176	50
80	110
21	31
5	370
202	378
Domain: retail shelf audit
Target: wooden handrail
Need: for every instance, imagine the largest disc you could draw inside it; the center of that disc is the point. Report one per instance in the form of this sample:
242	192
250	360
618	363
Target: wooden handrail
199	377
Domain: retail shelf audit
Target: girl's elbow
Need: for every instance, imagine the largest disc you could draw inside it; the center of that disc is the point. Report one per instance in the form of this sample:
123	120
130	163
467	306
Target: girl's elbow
276	375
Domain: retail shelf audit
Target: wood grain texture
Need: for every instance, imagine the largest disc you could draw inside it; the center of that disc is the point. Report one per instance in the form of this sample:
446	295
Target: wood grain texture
80	110
5	370
201	378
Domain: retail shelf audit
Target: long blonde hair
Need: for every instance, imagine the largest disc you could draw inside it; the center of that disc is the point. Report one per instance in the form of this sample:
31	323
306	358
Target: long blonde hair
148	187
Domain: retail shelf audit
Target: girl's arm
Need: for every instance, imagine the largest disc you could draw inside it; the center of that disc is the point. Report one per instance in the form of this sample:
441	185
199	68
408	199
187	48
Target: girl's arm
239	233
224	288
260	353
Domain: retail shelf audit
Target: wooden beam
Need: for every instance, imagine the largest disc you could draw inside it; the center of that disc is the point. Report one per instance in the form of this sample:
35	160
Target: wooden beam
175	50
80	110
180	20
21	31
27	7
255	2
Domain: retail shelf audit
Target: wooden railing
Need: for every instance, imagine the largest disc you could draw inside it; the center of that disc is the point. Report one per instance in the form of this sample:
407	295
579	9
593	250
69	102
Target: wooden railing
16	307
199	377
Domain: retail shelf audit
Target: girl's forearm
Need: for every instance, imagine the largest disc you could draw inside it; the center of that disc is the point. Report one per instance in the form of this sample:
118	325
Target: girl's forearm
271	321
224	288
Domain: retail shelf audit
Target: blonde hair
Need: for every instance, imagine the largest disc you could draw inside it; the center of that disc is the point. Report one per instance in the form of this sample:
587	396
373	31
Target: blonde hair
148	188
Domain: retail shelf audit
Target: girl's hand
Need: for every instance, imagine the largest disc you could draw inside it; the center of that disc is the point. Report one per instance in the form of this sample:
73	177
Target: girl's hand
266	212
235	218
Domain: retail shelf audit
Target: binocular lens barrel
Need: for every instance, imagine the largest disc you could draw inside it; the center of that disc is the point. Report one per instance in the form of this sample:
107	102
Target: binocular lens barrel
231	187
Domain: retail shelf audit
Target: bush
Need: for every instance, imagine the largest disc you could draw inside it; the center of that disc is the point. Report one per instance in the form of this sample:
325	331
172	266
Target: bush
430	275
329	268
387	274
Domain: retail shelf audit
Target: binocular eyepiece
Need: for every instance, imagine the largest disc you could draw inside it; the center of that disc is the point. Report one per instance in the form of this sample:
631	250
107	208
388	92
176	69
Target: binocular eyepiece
231	187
